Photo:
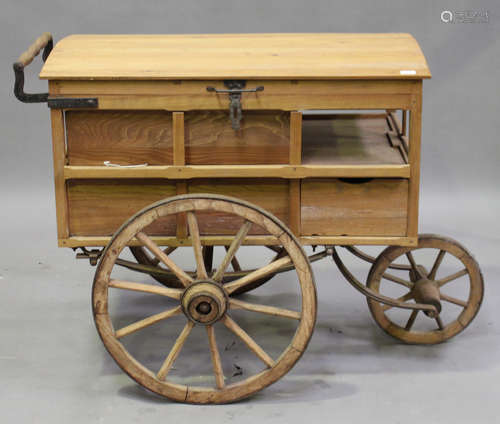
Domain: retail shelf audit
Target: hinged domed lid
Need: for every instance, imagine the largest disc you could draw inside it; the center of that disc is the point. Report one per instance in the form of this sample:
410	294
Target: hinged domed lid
236	56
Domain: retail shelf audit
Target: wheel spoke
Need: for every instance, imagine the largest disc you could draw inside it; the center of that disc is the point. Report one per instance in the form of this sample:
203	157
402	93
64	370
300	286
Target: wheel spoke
167	251
214	353
146	322
146	288
439	323
403	298
451	277
257	274
437	262
234	262
194	231
174	352
269	310
411	320
454	300
414	266
252	345
184	278
238	240
397	280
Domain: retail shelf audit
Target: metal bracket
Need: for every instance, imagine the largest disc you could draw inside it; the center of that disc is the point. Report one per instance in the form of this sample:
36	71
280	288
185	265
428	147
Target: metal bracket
72	103
92	255
234	89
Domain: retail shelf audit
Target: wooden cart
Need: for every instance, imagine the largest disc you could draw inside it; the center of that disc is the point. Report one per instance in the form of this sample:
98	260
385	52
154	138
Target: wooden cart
277	141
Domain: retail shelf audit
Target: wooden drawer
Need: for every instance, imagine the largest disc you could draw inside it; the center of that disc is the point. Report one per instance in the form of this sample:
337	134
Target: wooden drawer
269	194
264	138
99	207
121	137
354	207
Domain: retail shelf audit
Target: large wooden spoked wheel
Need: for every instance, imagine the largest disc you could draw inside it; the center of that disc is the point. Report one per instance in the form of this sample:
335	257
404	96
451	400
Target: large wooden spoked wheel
144	258
442	273
204	302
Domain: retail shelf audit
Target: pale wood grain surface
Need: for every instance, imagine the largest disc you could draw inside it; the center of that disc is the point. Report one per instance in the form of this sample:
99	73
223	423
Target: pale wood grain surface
246	56
237	171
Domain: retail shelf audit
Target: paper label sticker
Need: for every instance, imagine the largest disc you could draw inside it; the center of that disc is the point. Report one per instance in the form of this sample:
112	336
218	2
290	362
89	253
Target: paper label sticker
408	72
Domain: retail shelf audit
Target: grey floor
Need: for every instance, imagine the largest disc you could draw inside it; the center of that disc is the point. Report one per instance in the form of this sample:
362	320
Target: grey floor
54	368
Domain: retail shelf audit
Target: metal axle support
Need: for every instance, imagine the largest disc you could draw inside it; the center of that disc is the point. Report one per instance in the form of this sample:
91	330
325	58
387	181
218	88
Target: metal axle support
429	309
92	255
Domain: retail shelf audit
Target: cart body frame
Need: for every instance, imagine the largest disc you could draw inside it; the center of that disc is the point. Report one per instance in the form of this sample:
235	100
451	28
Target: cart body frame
276	164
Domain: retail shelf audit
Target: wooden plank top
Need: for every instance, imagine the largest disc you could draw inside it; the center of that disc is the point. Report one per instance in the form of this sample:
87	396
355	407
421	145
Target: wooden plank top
236	56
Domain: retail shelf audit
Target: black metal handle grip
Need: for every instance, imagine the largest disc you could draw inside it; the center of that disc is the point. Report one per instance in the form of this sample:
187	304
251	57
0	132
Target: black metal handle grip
43	42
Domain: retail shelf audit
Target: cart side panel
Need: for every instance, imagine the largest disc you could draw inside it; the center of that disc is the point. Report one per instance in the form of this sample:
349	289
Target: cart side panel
270	194
337	207
100	207
262	139
120	137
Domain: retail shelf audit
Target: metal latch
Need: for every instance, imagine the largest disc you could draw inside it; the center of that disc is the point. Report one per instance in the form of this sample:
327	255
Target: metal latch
234	89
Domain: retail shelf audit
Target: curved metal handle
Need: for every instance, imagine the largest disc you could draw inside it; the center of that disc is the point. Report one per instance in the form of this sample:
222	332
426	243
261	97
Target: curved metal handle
44	42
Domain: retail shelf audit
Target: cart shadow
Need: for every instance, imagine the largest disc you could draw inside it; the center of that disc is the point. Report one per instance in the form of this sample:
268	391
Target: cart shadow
345	342
286	391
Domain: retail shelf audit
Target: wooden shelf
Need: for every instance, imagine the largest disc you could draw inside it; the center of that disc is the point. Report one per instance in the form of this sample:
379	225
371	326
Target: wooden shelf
349	139
239	171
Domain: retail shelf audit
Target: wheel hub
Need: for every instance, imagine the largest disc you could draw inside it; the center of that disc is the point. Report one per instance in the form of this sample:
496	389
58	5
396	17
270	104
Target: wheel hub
427	292
204	302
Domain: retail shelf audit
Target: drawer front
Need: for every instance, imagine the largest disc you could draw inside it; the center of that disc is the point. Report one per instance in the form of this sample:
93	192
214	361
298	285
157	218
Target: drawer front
271	195
100	207
354	207
121	137
264	138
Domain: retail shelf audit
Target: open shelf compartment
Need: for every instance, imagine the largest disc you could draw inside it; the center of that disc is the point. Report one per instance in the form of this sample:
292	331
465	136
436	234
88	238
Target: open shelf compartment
353	139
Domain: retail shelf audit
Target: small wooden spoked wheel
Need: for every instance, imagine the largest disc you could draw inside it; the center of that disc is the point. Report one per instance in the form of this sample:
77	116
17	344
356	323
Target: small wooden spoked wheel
204	303
144	258
441	273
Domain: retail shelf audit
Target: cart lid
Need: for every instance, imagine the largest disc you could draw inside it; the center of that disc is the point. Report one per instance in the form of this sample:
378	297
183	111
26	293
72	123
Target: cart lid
236	56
